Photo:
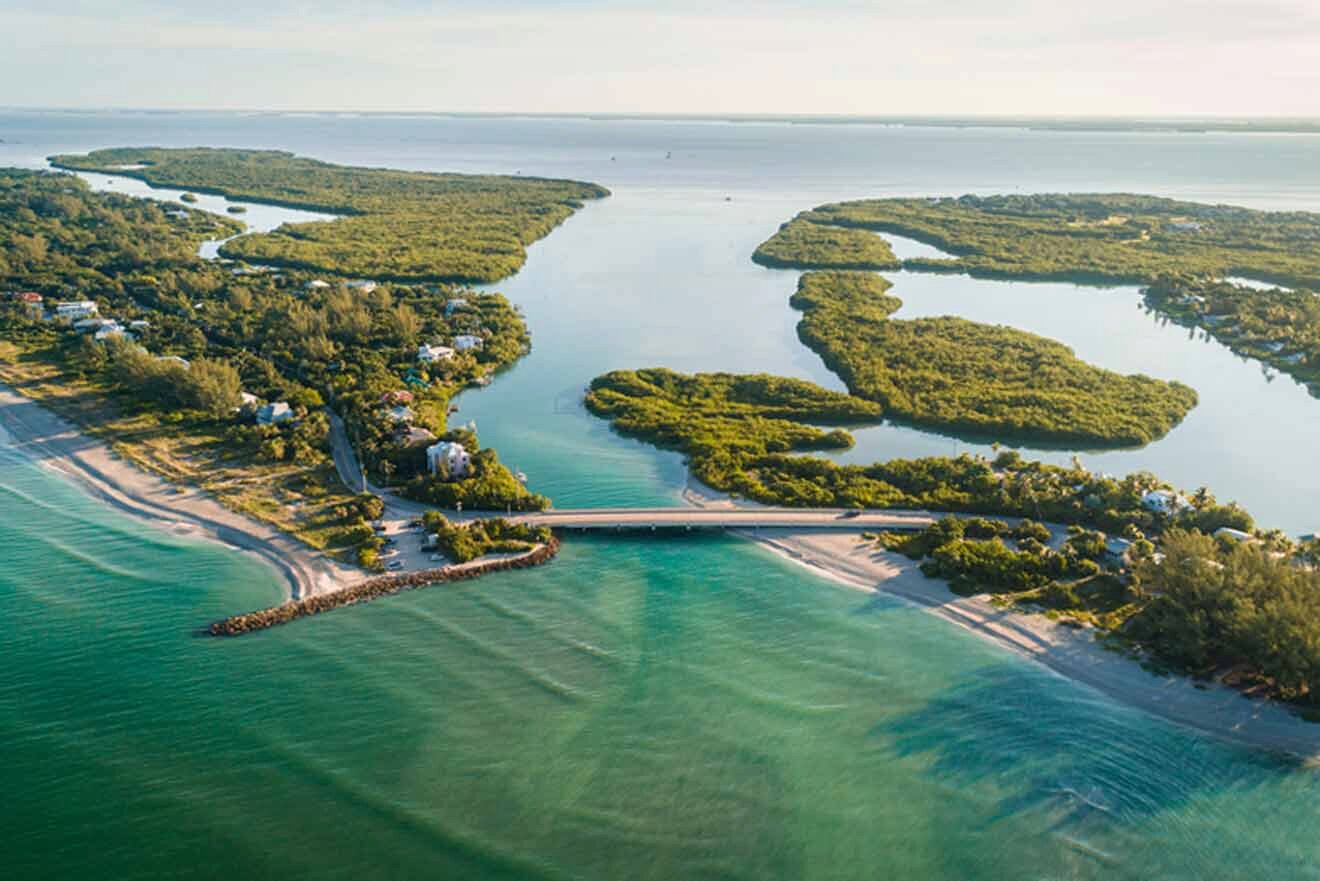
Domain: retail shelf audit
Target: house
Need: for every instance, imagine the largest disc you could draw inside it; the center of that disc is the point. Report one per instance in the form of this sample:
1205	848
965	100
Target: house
1161	501
399	396
247	401
1186	226
365	287
28	297
87	325
1117	548
467	342
413	436
274	414
432	354
139	325
75	309
111	329
448	457
316	285
454	305
401	414
1233	534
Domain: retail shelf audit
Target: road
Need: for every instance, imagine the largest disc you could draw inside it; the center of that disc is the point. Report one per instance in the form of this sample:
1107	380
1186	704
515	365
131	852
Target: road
646	519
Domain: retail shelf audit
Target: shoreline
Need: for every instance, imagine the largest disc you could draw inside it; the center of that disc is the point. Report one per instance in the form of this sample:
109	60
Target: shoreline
1210	708
62	447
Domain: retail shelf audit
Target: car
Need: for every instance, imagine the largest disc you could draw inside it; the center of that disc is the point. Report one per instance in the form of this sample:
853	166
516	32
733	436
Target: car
437	558
396	564
848	515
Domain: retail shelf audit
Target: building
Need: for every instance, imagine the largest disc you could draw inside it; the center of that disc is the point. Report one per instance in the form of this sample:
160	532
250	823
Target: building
467	342
413	436
87	325
401	414
454	305
111	329
75	309
139	325
448	458
1233	534
364	287
1186	226
317	285
274	414
1117	548
433	354
1161	501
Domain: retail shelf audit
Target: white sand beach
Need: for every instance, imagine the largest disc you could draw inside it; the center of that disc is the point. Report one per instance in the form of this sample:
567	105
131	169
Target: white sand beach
1072	652
92	465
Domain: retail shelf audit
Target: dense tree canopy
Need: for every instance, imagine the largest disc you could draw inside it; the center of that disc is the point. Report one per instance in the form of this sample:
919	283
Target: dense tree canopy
986	380
397	225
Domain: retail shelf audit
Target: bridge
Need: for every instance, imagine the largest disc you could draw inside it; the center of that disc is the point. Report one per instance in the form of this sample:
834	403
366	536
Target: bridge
688	519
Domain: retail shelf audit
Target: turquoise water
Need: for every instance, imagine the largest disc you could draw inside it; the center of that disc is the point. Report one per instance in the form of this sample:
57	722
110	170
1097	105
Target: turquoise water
673	709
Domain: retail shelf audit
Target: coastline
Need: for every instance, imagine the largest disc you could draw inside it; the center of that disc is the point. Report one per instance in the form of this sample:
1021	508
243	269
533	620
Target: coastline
59	445
1073	653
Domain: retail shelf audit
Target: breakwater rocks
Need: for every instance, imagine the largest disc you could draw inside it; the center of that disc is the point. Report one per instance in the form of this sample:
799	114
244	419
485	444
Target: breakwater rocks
372	588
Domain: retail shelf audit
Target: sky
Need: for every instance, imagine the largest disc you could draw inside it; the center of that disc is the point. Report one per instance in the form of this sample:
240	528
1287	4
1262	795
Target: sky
899	57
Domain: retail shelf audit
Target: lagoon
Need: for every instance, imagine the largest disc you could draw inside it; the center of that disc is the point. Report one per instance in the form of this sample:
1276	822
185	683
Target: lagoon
678	708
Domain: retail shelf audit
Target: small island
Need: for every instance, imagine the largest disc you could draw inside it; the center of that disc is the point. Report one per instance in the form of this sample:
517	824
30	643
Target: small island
976	379
398	226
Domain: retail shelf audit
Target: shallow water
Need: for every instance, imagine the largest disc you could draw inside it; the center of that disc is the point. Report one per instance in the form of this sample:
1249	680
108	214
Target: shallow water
682	708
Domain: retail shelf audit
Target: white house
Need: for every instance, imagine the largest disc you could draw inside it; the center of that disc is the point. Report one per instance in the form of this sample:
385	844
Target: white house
467	342
401	414
87	325
1233	534
274	414
1186	226
453	305
365	287
73	310
432	354
1117	548
111	329
1161	501
139	325
449	458
316	285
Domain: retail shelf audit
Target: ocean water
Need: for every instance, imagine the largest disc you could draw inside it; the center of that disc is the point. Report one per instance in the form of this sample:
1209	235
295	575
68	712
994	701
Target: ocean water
675	708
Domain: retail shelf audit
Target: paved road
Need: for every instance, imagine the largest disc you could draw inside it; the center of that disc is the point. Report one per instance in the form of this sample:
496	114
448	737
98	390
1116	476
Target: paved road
723	518
346	461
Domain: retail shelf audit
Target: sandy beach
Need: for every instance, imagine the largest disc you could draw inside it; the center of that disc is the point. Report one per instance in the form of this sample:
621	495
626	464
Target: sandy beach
182	510
1071	652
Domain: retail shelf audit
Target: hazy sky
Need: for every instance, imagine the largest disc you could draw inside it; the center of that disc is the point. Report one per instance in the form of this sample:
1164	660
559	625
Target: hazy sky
1151	57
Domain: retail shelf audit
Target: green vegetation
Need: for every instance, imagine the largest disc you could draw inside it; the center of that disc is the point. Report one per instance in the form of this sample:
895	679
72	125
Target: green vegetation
739	434
1247	610
720	420
802	244
1113	238
1213	606
957	375
487	486
166	390
1279	327
461	542
397	225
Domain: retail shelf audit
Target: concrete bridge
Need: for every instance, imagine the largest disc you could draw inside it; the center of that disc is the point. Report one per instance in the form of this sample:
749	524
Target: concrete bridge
688	519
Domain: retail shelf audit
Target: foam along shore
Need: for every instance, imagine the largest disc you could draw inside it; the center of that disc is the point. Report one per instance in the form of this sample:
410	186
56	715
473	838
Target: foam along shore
92	465
1071	652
